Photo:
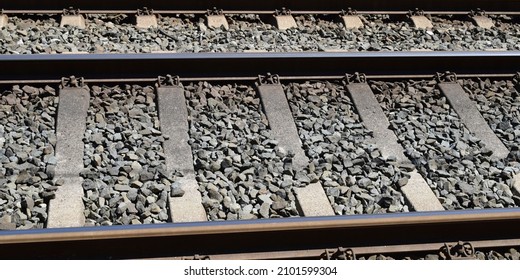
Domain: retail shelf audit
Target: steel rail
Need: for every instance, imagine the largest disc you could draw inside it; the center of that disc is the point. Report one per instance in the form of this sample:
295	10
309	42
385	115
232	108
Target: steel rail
197	66
270	5
264	236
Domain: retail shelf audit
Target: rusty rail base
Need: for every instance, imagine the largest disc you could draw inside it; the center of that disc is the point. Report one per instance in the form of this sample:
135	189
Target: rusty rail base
243	238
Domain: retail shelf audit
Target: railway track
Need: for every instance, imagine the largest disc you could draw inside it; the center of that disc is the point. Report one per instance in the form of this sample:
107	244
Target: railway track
331	134
270	27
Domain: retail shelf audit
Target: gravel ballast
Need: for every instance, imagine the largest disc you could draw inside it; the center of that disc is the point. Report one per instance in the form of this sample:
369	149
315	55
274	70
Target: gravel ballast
27	161
125	177
189	33
499	103
356	178
242	173
456	165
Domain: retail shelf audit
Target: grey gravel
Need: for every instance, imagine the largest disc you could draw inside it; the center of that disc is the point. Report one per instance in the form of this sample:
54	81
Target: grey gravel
356	178
449	33
456	165
27	141
125	177
188	33
242	173
499	103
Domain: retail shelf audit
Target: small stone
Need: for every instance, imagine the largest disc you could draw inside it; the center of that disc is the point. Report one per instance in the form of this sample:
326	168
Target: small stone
467	188
132	195
278	205
23	177
234	207
213	194
163	216
402	182
265	198
227	202
364	182
58	181
408	167
131	209
88	185
121	208
264	210
151	199
136	184
50	170
97	160
114	171
146	176
155	208
215	166
122	188
176	190
136	166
